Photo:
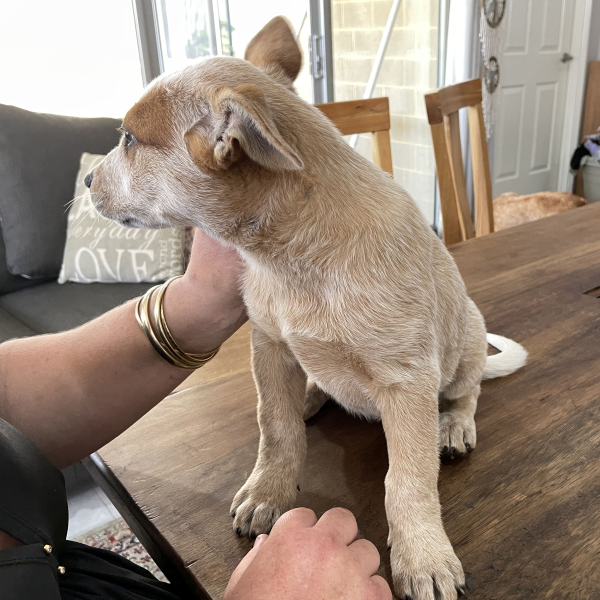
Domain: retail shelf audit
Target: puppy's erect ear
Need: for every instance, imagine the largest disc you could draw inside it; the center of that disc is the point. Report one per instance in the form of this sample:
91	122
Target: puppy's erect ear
240	124
275	46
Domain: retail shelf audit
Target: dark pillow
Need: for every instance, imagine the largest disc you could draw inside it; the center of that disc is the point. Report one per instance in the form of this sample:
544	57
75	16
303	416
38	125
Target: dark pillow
39	160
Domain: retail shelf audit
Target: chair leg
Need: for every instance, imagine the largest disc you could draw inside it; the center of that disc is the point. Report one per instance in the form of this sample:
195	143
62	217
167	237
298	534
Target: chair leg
450	222
452	126
484	212
382	151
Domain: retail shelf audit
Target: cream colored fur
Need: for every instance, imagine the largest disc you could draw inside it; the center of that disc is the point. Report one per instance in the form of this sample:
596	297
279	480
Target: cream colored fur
346	285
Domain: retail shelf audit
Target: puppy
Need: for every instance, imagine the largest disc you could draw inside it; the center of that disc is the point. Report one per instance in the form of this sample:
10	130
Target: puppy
349	292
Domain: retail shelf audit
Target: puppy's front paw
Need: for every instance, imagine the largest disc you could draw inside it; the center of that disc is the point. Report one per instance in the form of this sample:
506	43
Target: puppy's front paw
425	567
457	435
258	505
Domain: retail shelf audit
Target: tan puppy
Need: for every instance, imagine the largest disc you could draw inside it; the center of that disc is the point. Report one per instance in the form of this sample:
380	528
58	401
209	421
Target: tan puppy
346	285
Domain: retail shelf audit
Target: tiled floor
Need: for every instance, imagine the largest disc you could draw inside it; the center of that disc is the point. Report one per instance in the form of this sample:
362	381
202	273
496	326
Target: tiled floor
89	508
93	520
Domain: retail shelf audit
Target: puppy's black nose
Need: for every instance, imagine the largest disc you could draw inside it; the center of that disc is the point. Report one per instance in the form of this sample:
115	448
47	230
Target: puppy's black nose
88	179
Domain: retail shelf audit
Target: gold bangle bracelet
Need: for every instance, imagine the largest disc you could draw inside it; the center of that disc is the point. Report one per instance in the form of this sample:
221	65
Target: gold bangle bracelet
161	338
147	326
142	315
165	333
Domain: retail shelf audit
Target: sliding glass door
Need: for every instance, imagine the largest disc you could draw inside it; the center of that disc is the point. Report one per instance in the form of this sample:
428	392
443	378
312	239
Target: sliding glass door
175	33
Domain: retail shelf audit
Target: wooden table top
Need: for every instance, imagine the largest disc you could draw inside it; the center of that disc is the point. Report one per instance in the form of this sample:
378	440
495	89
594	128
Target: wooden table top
522	511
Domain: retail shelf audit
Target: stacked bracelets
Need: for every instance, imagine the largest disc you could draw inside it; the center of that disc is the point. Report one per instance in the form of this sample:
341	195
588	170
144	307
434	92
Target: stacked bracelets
161	337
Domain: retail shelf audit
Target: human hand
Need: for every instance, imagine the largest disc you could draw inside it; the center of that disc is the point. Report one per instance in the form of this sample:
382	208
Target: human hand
205	306
305	558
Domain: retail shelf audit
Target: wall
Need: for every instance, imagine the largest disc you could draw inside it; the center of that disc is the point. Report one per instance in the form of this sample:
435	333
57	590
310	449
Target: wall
594	43
409	70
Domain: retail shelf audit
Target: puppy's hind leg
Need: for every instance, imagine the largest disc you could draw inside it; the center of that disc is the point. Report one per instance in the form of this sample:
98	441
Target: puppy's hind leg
271	488
458	434
314	400
458	403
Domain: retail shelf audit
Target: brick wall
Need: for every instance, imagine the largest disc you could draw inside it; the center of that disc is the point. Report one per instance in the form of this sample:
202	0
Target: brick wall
408	71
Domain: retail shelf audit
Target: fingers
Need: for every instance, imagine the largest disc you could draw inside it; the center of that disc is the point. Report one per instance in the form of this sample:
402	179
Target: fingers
297	517
340	524
381	589
366	556
260	540
245	563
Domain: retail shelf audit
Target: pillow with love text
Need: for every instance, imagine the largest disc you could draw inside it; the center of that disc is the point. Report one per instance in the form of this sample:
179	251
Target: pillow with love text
101	250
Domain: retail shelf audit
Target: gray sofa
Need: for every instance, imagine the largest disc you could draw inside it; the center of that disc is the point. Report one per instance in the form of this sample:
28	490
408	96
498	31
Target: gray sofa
39	161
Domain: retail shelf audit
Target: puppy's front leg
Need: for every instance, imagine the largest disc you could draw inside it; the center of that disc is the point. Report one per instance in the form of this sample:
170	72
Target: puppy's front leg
424	565
271	488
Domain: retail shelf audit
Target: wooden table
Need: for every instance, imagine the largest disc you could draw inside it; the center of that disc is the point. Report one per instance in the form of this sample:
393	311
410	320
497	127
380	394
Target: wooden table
522	511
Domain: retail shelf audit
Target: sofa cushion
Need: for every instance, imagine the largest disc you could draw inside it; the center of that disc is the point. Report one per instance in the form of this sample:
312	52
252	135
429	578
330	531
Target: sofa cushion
9	282
12	328
52	307
39	160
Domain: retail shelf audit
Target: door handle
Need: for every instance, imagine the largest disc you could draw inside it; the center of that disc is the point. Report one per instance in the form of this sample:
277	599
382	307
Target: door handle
566	57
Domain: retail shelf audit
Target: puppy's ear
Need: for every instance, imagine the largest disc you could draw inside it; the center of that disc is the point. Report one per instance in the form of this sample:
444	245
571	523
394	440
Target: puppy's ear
241	124
275	46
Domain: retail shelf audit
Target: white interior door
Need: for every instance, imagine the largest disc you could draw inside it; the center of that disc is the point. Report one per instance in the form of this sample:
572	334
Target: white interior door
532	89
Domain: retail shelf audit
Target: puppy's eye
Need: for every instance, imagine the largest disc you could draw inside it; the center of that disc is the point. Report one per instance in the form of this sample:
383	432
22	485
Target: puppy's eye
128	137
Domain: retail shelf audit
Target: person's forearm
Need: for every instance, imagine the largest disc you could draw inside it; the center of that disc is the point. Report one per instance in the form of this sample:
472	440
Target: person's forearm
73	392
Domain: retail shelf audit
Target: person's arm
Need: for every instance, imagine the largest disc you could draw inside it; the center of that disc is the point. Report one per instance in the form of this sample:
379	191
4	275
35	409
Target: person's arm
73	392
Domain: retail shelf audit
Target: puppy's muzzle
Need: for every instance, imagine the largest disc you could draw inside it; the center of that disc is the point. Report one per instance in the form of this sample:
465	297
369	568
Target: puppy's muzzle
88	179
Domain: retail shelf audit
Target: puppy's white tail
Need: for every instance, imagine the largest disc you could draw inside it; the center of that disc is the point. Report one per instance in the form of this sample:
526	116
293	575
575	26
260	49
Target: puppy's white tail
512	356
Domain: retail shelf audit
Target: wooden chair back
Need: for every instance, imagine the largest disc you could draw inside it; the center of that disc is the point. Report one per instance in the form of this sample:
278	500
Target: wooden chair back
365	116
442	111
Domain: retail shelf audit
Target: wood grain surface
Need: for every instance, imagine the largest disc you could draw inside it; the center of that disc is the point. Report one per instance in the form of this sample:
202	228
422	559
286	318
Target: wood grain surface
358	116
450	219
453	145
459	95
523	510
382	151
482	181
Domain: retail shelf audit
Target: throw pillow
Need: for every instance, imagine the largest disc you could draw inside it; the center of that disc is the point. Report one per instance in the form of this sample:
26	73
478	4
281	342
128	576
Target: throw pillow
101	250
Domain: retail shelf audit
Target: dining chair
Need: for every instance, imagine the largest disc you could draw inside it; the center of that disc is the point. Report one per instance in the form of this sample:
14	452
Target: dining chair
505	211
365	116
442	112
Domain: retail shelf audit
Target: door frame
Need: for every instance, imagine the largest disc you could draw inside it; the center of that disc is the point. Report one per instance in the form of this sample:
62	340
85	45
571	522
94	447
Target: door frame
321	50
575	92
148	39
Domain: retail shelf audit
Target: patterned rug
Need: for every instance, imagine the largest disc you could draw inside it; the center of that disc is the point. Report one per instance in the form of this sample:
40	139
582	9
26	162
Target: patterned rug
118	537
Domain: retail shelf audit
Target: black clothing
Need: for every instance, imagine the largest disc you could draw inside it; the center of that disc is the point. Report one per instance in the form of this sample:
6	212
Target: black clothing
33	510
